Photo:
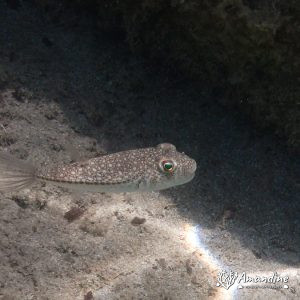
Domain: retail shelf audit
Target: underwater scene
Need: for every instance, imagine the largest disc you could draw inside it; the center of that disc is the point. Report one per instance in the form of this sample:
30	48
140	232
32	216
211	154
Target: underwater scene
149	150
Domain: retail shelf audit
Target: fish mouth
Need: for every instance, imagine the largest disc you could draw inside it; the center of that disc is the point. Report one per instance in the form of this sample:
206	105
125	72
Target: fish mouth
194	167
191	176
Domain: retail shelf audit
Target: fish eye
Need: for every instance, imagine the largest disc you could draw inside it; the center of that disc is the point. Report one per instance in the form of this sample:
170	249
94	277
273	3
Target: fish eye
167	166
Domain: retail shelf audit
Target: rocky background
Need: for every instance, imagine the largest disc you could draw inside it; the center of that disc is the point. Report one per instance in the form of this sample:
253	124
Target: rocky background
243	53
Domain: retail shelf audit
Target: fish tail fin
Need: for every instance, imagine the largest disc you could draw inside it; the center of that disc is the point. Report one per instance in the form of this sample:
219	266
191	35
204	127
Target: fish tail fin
15	174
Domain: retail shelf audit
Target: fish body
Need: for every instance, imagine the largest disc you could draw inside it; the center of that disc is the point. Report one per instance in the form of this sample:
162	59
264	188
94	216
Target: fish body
145	169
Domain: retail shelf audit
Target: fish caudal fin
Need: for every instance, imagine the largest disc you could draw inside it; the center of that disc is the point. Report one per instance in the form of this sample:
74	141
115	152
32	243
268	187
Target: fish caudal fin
15	174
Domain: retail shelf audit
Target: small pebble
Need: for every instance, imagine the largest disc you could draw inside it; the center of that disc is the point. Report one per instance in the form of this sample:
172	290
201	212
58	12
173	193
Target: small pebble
73	214
138	221
89	296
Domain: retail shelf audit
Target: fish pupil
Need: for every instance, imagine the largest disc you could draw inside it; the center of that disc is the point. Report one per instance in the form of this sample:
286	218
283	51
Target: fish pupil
168	166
